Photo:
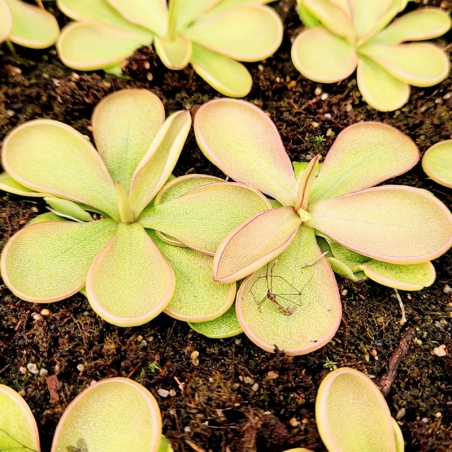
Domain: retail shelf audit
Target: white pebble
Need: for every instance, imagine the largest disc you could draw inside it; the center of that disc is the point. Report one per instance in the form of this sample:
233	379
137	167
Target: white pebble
163	393
32	368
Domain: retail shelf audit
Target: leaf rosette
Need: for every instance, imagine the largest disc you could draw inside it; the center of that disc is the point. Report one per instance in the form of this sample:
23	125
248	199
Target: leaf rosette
343	36
290	296
211	35
127	272
27	25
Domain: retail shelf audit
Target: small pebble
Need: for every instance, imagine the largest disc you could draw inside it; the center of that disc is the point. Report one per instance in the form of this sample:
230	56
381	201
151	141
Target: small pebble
194	355
324	96
349	107
172	393
45	312
81	367
315	124
293	422
43	372
32	368
344	292
163	392
272	375
440	351
447	289
21	393
93	382
328	115
438	415
400	413
22	370
329	132
318	91
36	316
248	380
255	387
260	67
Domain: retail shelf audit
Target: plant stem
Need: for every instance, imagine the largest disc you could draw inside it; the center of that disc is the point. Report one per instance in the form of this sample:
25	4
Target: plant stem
125	210
172	19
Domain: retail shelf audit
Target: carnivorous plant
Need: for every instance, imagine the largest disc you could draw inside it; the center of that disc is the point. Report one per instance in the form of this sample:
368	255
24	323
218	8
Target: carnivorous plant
343	35
290	297
27	25
115	414
437	163
130	274
211	35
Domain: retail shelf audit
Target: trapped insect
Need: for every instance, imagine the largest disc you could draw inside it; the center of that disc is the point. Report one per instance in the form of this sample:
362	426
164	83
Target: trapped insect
81	446
290	295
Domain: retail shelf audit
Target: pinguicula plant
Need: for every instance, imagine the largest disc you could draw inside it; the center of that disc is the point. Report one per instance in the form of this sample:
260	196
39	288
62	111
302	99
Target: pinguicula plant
27	25
18	429
290	296
343	35
437	163
352	415
129	273
115	414
211	35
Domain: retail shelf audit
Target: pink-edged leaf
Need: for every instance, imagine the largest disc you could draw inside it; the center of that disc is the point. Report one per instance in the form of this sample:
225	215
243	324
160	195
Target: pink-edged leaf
254	243
6	21
53	158
49	261
322	56
419	64
366	15
398	224
130	282
244	143
362	156
160	160
379	88
124	125
333	16
419	25
437	163
306	311
203	217
200	302
174	53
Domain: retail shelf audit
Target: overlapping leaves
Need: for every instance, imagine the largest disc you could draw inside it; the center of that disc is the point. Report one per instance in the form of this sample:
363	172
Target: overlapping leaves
342	36
126	268
291	298
211	35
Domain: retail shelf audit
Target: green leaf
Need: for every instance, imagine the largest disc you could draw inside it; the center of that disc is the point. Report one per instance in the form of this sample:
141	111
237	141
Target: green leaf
305	183
366	15
352	414
362	156
49	261
398	436
417	64
225	326
90	46
419	25
195	218
254	243
159	161
124	125
99	11
304	285
340	268
197	296
223	5
307	18
402	277
322	56
46	217
437	163
245	33
348	257
227	76
51	157
178	187
333	16
189	10
380	89
68	209
151	14
7	183
32	26
174	53
18	429
392	223
6	21
130	282
115	413
244	143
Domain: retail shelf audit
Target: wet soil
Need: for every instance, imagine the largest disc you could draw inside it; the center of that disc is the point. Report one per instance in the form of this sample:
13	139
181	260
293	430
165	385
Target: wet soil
233	396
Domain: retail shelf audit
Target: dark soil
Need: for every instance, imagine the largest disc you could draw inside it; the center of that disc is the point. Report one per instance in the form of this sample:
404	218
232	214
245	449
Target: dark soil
234	397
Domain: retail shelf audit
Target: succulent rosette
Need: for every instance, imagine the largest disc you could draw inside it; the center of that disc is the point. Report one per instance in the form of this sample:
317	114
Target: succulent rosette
343	36
27	25
96	233
290	296
211	35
